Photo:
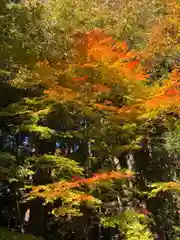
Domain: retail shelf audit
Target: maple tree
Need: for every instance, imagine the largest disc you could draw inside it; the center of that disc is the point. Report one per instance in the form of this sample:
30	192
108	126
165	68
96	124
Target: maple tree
113	64
105	64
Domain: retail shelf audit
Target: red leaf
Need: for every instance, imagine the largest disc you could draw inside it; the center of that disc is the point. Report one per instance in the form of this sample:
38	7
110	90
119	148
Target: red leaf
76	178
80	78
133	64
144	211
172	92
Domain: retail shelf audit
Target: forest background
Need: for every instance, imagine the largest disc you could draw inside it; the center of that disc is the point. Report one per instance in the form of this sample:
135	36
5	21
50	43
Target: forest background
89	117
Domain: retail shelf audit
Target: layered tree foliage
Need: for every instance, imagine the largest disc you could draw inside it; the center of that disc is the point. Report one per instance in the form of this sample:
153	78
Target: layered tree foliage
89	118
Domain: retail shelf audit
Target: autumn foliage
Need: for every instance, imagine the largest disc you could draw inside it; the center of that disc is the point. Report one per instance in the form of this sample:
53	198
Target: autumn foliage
100	64
60	189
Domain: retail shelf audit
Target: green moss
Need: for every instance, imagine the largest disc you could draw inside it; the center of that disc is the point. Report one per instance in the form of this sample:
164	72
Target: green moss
6	235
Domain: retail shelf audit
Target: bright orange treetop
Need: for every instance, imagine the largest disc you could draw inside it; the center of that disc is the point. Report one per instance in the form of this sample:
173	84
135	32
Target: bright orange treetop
101	64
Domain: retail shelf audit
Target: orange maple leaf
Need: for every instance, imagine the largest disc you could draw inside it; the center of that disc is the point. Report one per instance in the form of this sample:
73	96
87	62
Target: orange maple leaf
172	92
133	64
80	78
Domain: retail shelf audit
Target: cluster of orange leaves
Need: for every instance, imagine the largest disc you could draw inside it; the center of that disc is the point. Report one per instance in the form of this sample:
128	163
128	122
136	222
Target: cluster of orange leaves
172	185
59	189
98	47
169	94
83	198
95	48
